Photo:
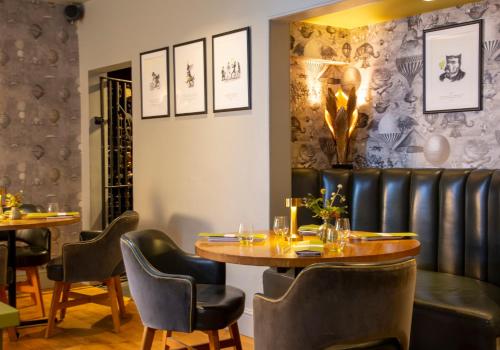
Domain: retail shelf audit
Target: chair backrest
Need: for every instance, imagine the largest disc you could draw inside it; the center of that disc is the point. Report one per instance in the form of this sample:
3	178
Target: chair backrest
164	300
37	237
100	258
453	211
339	304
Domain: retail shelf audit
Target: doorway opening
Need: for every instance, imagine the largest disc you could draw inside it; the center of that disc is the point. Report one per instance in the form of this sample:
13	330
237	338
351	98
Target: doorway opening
111	145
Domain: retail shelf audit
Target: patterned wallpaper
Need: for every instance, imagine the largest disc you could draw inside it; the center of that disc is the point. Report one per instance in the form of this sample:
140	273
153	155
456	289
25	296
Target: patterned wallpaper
385	60
40	107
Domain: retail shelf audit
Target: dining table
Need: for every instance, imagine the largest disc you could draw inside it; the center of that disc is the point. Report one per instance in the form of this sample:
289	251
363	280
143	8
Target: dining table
10	226
276	252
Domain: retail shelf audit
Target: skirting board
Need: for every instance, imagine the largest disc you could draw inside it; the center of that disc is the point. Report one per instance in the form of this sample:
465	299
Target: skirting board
245	323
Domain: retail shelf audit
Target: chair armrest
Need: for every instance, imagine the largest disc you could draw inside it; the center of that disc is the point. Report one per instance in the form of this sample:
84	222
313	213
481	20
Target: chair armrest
203	270
88	235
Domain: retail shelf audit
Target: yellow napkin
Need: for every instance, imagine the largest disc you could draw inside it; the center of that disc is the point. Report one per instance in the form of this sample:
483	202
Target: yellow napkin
229	235
314	245
50	215
310	227
382	235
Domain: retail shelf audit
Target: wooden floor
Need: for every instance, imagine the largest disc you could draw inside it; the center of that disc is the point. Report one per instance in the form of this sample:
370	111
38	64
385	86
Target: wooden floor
90	327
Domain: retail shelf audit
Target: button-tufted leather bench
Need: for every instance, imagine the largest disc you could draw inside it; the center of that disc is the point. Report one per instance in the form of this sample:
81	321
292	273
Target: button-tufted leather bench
456	214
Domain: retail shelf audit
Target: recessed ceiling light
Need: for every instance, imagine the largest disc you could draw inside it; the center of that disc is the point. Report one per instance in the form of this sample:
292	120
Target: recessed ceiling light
428	0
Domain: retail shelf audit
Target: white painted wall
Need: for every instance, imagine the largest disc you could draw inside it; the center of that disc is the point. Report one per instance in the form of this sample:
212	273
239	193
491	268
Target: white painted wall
191	174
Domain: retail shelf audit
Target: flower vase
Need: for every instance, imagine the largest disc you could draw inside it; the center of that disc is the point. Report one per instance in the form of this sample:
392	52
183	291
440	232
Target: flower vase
322	230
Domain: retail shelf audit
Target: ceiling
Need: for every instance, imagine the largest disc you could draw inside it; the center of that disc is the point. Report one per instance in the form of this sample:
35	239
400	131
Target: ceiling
378	11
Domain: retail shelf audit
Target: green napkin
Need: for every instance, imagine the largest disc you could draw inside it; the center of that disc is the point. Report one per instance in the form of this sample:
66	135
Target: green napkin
310	227
230	235
314	245
373	236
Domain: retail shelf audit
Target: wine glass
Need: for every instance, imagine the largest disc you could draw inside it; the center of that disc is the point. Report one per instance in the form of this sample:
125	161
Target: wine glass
53	207
343	227
245	234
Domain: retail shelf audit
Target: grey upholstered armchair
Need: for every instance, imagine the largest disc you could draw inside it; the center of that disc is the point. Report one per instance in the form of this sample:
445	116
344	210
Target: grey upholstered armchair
340	306
97	259
176	291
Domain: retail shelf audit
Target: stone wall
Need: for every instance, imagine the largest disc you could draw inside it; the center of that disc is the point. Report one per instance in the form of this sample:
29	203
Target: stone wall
40	107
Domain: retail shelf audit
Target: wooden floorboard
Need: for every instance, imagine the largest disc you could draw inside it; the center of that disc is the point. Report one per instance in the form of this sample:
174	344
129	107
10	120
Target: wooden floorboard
89	327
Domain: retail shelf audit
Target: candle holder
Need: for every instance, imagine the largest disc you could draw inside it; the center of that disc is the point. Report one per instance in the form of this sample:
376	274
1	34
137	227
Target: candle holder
293	204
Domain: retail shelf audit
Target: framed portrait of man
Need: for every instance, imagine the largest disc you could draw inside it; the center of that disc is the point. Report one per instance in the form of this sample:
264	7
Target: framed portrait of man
453	68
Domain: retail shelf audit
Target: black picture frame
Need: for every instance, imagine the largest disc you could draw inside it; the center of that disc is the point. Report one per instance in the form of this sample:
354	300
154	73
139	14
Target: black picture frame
162	111
190	52
458	86
239	92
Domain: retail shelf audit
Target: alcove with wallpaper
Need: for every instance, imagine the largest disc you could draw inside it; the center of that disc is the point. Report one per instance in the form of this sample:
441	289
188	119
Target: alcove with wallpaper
384	56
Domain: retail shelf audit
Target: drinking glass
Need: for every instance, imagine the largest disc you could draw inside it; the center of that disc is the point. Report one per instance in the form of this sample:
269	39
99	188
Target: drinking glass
280	226
343	226
334	240
53	207
245	234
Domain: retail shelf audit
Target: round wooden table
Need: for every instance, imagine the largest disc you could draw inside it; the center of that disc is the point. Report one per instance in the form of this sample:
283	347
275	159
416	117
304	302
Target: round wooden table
10	226
274	252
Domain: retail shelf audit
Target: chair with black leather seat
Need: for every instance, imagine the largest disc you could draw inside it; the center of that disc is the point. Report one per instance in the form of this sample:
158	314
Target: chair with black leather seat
98	259
340	306
175	291
33	253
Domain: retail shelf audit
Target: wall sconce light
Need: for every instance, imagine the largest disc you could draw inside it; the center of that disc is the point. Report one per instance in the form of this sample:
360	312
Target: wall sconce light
293	204
315	69
341	117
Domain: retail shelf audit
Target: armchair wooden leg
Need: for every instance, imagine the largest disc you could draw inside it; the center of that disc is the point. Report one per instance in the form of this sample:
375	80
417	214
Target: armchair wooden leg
235	335
34	279
113	301
166	335
213	340
147	338
65	292
119	295
54	305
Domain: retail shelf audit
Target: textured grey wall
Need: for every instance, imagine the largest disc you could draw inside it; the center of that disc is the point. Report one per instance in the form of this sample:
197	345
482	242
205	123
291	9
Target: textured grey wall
40	107
393	131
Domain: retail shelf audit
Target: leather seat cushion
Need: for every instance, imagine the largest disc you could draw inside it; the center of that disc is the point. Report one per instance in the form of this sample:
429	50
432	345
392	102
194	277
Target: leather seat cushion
217	306
31	256
55	270
467	311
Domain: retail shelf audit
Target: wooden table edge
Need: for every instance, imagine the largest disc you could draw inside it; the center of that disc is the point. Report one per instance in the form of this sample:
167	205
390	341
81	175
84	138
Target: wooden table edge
289	262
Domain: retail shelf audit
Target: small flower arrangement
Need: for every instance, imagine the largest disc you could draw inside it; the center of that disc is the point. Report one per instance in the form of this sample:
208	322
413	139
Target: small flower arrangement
13	200
327	208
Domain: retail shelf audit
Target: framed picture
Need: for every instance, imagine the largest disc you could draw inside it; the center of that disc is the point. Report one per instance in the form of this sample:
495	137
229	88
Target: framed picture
231	70
453	68
190	78
155	90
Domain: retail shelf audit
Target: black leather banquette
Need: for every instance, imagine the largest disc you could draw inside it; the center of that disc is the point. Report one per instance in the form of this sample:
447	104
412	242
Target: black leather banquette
456	214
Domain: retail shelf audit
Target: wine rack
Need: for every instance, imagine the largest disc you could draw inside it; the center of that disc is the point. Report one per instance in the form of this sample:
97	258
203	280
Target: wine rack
116	138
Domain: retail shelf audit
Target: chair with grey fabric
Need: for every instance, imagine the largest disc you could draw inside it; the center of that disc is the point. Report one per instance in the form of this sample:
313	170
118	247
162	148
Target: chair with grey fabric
175	291
340	306
98	259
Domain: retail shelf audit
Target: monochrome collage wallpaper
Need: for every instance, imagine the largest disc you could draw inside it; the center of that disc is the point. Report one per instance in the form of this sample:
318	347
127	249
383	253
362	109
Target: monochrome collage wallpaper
385	60
40	108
